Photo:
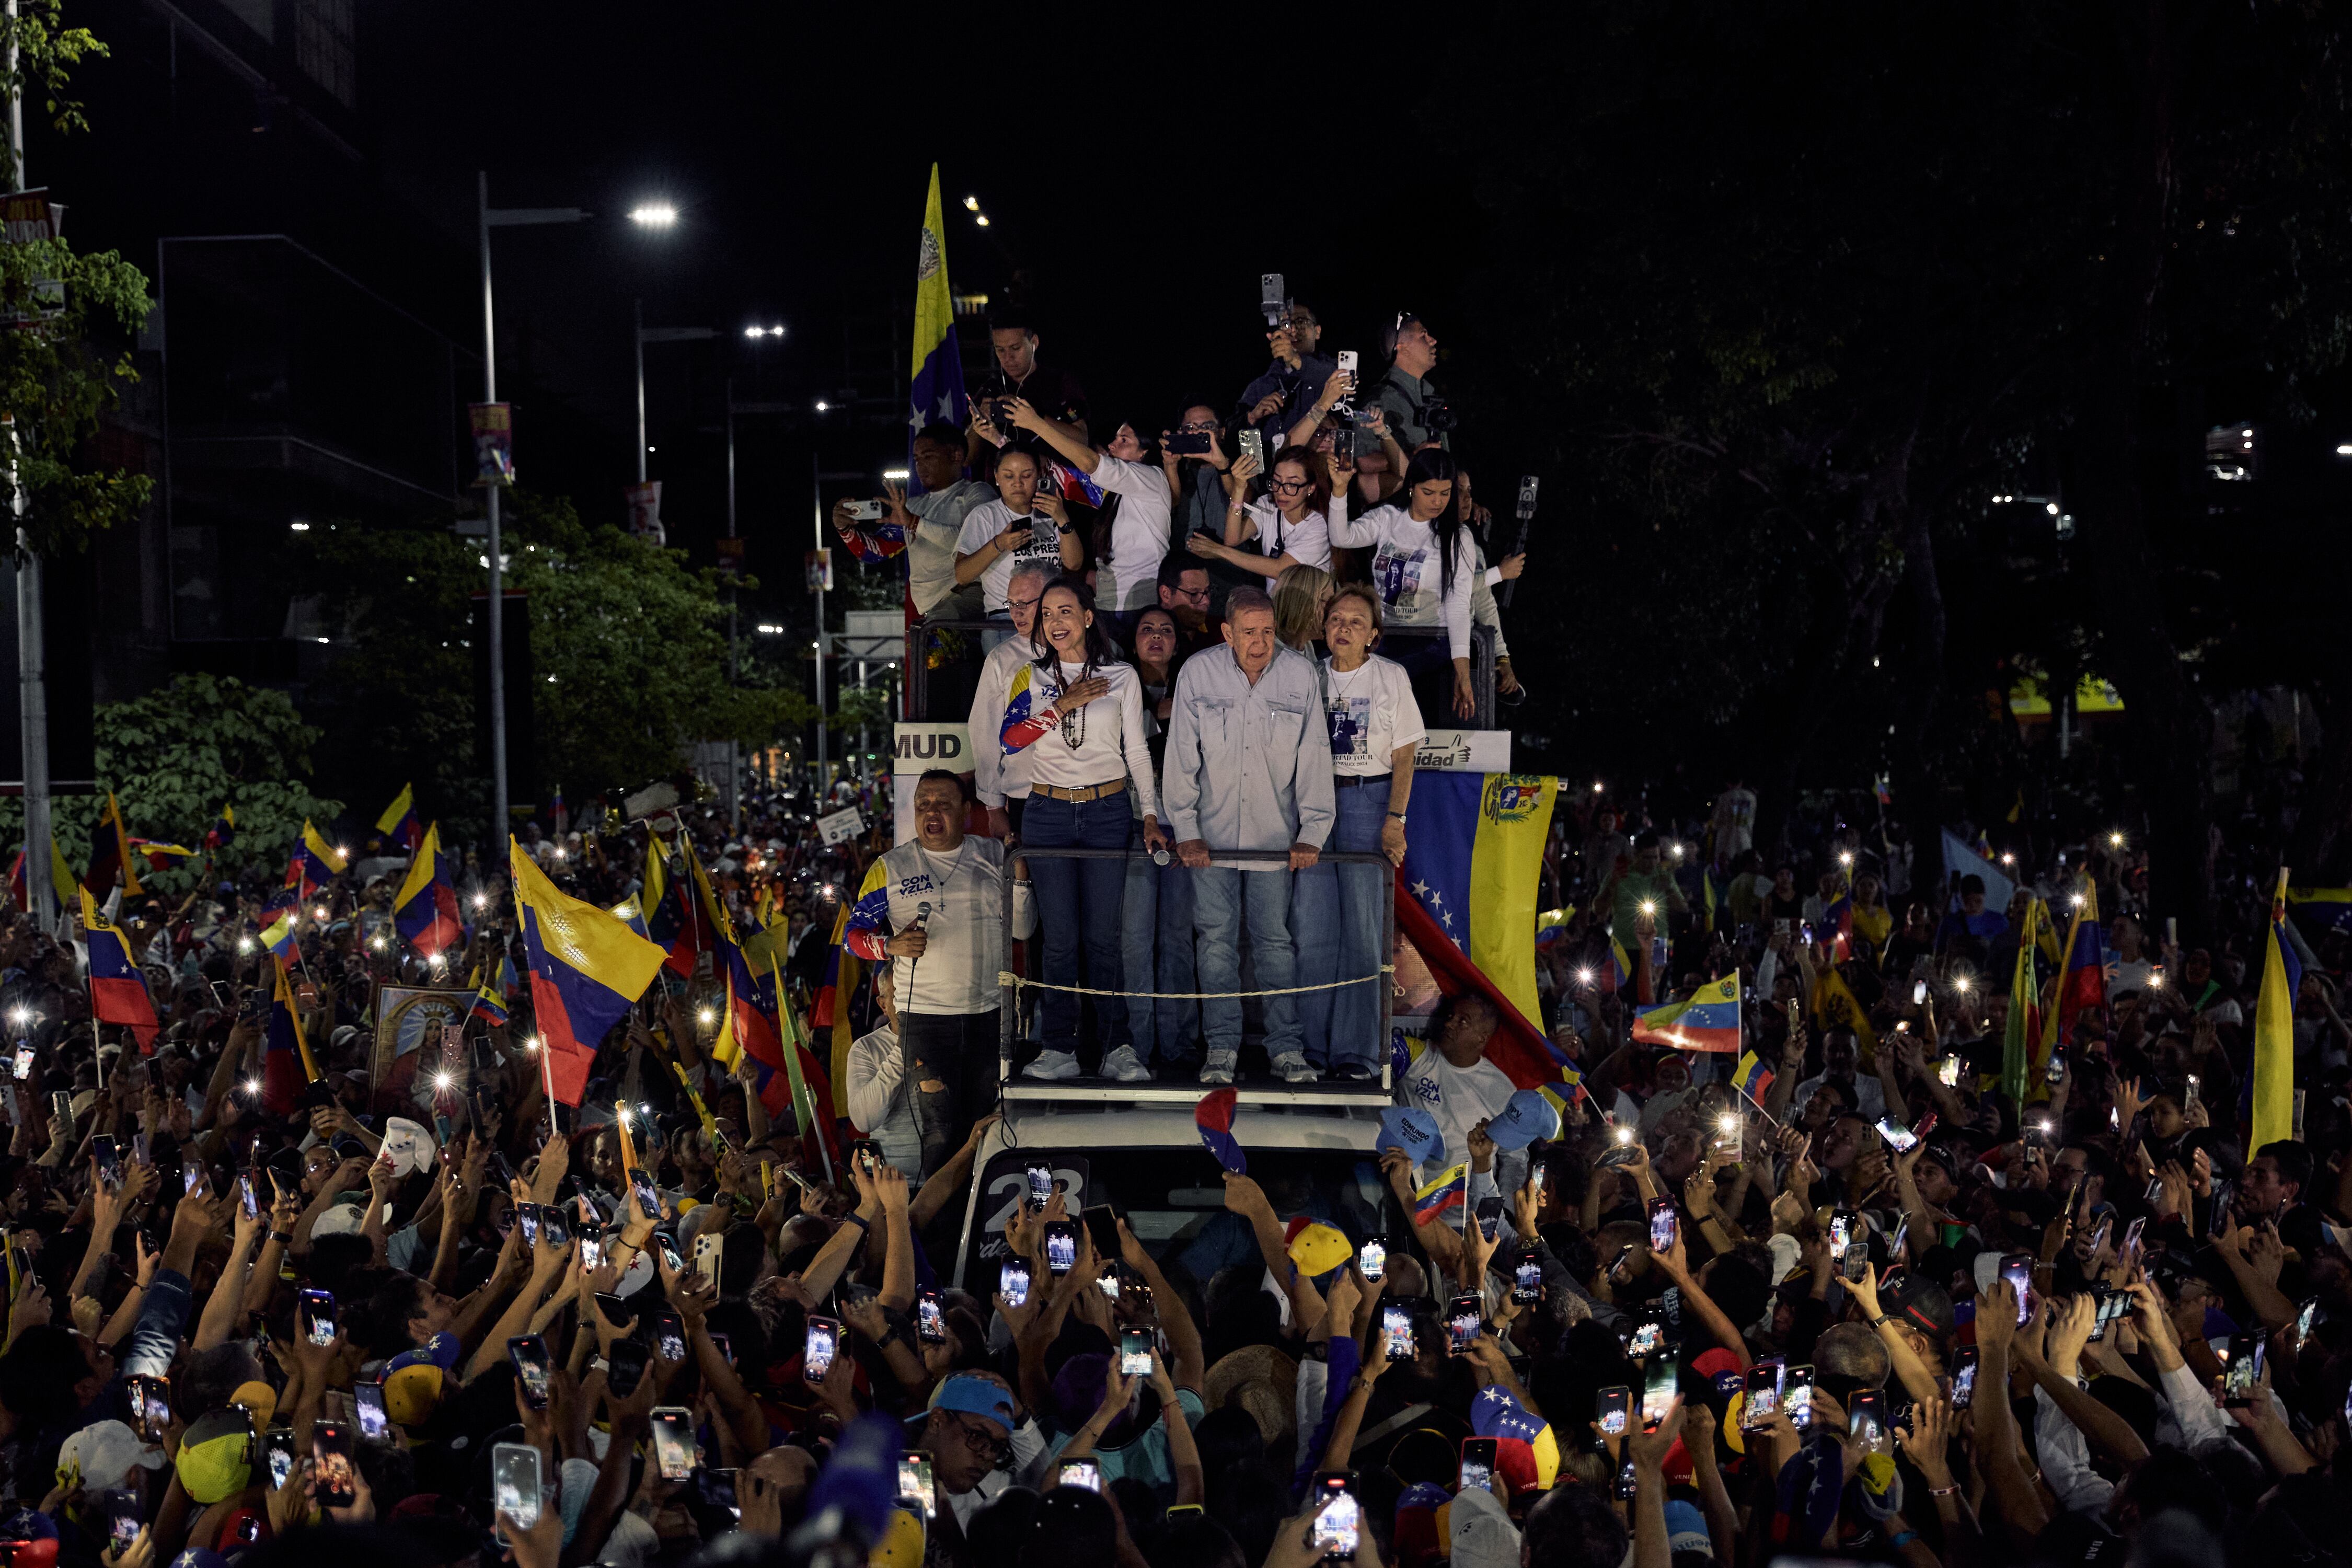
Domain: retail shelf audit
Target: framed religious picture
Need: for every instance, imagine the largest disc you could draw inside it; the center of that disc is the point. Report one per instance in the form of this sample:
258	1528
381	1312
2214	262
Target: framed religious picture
409	1020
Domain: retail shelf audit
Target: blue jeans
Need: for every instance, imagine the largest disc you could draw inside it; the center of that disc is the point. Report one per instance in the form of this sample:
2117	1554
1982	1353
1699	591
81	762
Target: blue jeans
1078	901
1338	912
1218	895
1157	930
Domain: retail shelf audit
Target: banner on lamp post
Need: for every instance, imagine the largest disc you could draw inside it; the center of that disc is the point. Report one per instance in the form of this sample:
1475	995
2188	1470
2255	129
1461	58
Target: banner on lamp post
644	511
493	425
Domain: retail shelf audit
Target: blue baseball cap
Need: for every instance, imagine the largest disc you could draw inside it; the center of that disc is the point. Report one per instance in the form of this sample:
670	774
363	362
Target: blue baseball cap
1530	1116
977	1397
1412	1130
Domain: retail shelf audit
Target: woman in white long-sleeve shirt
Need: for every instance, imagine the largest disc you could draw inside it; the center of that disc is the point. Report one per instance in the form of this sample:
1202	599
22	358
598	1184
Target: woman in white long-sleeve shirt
1084	754
1423	563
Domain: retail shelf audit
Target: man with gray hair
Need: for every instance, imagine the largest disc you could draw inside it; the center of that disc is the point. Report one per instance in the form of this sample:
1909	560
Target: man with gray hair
1001	782
1248	767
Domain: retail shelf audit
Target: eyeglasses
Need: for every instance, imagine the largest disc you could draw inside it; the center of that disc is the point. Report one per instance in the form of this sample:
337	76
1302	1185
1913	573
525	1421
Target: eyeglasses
1197	595
983	1443
1290	486
1026	604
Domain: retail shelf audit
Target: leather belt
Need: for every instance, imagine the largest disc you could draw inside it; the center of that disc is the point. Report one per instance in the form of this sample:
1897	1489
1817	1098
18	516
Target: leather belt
1361	781
1081	795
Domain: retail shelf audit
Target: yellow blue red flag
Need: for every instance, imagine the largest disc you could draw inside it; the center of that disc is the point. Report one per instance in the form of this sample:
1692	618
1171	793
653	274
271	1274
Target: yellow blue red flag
935	384
586	969
2273	1082
1706	1020
1476	868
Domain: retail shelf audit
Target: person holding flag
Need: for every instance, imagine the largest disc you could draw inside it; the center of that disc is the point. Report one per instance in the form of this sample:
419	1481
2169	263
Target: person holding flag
399	823
118	990
424	911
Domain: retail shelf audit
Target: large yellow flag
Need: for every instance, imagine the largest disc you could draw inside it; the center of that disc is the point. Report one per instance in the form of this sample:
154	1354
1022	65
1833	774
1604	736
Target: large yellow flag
2274	1031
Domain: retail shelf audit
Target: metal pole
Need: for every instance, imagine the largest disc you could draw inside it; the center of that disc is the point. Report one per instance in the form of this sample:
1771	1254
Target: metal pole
32	643
497	611
816	498
637	347
730	527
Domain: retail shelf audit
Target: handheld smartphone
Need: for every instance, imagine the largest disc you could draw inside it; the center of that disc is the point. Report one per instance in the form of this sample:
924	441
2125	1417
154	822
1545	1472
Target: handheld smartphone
915	1483
553	1225
1649	1336
278	1451
108	1157
2305	1318
515	1483
1899	1138
1135	1353
709	1251
666	1245
866	1154
62	1106
1628	1480
1918	993
592	1248
1372	1257
624	1366
1843	1226
2131	1240
1797	1396
1856	1265
1107	1281
1665	1229
1013	1281
1338	1517
1396	1325
2018	1269
150	1407
1490	1215
248	1199
24	1063
367	1399
930	1324
669	1335
1041	1183
1346	358
1080	1473
2245	1370
641	1187
528	1354
674	1441
817	1348
121	1507
1465	1317
318	1314
1657	1390
1527	1282
1061	1247
1477	1464
1252	445
1865	1420
1964	1376
1616	1403
331	1450
1763	1402
526	1218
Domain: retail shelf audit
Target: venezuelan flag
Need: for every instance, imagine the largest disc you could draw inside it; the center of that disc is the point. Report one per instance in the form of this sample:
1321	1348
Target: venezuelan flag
117	991
1706	1020
223	832
1839	918
1835	1005
935	380
668	925
163	856
110	854
287	1065
586	969
425	913
319	862
2083	975
278	919
1751	1077
632	915
1551	927
398	824
1475	869
2274	1080
1018	703
1449	1191
508	982
2322	909
2021	1039
487	1004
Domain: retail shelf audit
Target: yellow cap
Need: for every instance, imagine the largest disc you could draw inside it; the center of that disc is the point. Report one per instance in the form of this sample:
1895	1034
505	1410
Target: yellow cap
901	1545
1318	1249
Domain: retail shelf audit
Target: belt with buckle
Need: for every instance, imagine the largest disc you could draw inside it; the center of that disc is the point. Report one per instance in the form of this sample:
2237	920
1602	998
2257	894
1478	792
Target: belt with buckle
1081	795
1359	781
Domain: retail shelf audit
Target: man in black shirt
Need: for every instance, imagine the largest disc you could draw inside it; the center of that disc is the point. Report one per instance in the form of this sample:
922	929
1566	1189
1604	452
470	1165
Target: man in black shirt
1053	393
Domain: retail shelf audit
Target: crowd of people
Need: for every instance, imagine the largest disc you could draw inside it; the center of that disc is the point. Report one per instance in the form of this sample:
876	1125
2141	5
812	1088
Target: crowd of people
288	1279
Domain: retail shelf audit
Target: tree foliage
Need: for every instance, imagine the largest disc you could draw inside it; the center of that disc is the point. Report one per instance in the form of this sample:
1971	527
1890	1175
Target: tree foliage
175	756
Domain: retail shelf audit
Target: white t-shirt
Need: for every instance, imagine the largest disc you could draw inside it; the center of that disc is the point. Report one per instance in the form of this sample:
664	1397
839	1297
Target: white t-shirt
1306	541
1371	712
1457	1098
1139	534
1407	571
1095	743
990	518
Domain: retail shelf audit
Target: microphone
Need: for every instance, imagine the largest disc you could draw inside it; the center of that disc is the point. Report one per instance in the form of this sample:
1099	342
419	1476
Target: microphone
922	914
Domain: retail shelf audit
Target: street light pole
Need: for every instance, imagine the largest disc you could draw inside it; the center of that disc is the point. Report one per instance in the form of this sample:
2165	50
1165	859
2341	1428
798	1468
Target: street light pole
488	217
637	343
32	641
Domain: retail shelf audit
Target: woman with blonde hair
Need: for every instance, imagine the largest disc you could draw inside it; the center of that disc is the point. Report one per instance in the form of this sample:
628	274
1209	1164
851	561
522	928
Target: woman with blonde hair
1299	596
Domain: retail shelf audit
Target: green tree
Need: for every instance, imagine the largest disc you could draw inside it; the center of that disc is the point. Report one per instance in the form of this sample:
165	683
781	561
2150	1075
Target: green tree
175	756
58	377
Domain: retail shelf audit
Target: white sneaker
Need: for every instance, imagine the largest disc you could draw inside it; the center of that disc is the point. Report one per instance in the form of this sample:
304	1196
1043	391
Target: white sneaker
1051	1065
1218	1068
1122	1065
1291	1067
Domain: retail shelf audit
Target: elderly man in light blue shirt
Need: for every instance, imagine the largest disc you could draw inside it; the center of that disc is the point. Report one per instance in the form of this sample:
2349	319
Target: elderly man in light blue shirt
1248	767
